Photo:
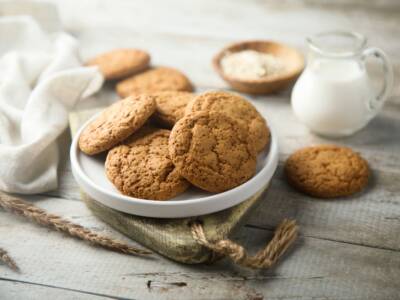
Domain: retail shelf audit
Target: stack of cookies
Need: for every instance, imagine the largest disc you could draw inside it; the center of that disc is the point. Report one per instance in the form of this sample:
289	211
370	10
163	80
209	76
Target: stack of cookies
161	138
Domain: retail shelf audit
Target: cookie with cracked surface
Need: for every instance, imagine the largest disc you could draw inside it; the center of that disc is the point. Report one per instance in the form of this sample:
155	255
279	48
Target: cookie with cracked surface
237	108
120	63
212	151
141	167
154	80
327	171
116	123
170	107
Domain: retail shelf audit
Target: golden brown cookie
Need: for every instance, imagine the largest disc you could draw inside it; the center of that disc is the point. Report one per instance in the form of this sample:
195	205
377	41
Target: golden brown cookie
212	151
120	63
327	171
237	108
154	80
170	107
140	167
116	123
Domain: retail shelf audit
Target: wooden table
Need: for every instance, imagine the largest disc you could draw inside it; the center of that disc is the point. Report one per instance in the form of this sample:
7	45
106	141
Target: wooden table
348	249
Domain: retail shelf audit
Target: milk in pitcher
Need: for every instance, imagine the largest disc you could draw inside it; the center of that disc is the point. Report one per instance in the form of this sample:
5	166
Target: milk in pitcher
334	95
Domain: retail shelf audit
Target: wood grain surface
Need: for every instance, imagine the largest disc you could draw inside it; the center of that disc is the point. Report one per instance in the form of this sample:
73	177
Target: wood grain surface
348	249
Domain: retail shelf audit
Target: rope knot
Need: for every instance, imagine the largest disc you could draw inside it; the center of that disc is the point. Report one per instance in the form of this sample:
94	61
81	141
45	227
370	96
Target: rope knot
284	235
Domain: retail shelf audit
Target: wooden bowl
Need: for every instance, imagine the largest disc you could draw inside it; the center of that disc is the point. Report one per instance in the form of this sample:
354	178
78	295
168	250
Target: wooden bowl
292	58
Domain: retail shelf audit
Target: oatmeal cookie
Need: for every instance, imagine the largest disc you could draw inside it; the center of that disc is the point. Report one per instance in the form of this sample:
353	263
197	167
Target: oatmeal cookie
327	171
116	123
120	63
212	151
170	107
141	167
154	80
237	108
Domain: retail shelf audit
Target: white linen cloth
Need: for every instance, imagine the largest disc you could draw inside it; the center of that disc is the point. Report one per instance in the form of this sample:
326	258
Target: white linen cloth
41	79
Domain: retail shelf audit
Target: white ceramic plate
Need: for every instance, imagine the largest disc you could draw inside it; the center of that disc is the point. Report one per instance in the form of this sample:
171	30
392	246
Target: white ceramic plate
90	174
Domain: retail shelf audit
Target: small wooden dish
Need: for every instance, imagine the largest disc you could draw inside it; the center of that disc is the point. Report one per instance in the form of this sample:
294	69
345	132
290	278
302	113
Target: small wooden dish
292	58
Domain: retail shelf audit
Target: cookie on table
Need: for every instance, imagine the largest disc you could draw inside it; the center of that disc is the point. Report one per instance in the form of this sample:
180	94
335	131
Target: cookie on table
170	107
116	123
154	80
237	108
327	171
120	63
141	167
212	151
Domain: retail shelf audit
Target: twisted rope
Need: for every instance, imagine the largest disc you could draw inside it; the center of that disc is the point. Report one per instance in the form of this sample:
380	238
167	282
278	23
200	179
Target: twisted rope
42	217
6	259
285	234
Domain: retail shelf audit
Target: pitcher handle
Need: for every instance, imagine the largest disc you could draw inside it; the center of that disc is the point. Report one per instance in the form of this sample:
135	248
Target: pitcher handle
377	101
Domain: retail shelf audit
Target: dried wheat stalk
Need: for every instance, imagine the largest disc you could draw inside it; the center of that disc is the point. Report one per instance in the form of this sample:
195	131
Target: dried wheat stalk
5	258
42	217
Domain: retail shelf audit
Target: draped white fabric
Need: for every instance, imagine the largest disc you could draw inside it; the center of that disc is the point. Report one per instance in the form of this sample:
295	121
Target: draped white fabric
41	79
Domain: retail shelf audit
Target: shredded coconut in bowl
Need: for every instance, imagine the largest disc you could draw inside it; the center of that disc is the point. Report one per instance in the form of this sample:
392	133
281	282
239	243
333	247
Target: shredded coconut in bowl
251	64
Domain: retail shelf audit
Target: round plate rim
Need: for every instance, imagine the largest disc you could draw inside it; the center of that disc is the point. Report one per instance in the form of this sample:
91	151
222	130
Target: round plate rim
255	183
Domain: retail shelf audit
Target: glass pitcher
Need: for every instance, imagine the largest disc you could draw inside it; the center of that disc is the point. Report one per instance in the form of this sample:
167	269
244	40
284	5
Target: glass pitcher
334	96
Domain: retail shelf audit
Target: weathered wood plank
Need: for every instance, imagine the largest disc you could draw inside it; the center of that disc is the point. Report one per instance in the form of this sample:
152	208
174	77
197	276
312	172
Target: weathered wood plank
345	4
371	218
314	268
15	290
206	26
177	50
289	20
